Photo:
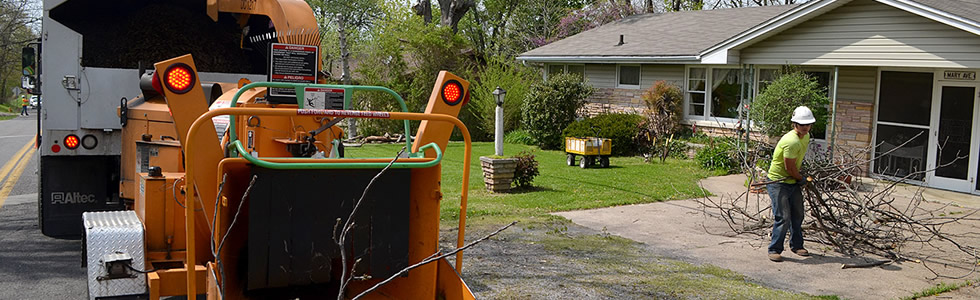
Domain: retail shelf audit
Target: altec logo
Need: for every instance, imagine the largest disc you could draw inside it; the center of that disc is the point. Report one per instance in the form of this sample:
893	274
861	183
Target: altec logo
71	198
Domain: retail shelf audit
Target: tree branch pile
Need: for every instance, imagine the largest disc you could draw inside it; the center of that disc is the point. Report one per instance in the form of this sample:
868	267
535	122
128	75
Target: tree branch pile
855	218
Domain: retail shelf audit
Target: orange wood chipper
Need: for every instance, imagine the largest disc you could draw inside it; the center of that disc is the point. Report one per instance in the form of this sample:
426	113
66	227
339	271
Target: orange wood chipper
255	200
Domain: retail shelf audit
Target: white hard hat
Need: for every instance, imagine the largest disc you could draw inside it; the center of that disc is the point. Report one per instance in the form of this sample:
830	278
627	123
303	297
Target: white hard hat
803	116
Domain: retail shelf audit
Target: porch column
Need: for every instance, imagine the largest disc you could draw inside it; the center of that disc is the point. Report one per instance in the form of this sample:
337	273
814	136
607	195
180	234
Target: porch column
833	112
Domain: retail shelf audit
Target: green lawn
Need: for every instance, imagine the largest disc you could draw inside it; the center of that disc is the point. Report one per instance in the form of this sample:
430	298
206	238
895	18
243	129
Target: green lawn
559	187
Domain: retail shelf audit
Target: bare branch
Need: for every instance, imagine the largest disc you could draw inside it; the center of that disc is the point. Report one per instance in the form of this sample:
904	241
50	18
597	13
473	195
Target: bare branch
430	259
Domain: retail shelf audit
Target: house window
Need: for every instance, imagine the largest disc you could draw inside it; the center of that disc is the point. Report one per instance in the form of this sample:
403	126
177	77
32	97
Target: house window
696	82
904	116
629	76
725	89
555	69
576	69
767	76
572	69
714	92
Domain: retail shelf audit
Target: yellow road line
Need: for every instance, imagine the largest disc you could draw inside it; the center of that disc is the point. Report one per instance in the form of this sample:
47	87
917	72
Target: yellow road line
13	160
9	184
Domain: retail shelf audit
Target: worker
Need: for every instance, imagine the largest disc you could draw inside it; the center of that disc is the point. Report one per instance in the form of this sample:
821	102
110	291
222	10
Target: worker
786	185
23	106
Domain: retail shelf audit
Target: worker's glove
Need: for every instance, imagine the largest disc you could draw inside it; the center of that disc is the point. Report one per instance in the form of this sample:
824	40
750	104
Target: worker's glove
801	182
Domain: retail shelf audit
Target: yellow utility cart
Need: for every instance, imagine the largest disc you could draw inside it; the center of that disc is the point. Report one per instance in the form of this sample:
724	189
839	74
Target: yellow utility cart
591	149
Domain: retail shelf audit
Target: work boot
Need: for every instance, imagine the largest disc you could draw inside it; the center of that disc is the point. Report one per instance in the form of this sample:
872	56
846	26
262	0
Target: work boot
775	257
801	252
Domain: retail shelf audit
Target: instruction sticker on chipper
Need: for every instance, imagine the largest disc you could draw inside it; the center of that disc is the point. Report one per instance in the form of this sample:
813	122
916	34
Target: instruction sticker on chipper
292	63
323	98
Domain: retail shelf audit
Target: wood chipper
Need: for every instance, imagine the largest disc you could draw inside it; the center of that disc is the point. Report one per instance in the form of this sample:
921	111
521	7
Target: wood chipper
277	213
239	189
592	150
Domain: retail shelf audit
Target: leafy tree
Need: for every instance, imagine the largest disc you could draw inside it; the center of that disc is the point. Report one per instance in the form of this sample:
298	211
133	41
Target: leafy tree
18	18
515	79
451	11
682	5
406	55
349	18
550	106
773	108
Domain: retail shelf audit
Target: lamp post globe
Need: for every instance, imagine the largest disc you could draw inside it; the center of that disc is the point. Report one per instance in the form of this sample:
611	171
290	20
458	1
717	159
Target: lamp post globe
499	94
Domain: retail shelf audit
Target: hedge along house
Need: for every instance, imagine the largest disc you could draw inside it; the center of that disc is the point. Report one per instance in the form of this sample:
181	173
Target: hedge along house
896	71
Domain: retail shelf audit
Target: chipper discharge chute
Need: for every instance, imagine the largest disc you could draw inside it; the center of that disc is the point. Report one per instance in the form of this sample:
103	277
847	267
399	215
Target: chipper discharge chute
276	211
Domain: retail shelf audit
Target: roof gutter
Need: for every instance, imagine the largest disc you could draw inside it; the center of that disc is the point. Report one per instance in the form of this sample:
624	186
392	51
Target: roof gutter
612	59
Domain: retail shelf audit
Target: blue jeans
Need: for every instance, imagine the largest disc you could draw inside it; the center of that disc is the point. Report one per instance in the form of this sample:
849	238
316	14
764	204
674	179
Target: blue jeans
787	202
23	110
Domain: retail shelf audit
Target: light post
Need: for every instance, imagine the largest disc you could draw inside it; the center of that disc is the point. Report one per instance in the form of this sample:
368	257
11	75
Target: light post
498	140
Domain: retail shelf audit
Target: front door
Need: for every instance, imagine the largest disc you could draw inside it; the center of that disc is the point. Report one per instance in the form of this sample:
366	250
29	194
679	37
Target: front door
953	146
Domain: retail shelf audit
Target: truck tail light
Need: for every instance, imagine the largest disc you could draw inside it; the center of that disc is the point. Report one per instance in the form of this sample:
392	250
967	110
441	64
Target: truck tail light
71	141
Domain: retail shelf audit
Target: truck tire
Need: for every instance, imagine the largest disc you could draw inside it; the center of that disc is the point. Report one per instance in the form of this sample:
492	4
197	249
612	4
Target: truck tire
604	161
584	163
571	160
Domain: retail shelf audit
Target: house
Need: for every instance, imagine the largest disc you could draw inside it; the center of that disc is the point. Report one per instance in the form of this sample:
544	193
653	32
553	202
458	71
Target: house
898	72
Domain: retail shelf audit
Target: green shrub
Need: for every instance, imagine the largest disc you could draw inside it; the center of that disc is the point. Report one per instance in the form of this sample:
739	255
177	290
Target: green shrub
550	106
774	107
678	149
511	77
519	136
527	169
621	128
717	156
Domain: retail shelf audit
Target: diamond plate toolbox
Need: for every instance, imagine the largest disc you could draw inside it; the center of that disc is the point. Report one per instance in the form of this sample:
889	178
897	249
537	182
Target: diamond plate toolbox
112	238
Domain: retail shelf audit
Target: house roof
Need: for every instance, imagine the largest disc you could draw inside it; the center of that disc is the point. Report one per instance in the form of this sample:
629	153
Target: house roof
967	9
679	35
719	53
707	36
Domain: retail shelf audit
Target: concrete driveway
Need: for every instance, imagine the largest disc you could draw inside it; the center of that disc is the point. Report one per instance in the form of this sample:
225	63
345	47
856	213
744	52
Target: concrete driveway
682	230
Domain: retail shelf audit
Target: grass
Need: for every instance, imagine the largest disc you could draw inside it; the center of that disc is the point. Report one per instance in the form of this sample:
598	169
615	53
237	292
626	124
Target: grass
617	262
939	289
7	117
559	187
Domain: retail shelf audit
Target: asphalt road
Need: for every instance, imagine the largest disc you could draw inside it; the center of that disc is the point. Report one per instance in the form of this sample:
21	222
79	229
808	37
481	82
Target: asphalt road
32	266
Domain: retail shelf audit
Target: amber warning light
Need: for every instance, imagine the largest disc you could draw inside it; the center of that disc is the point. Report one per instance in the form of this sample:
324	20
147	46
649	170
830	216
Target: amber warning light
179	78
452	92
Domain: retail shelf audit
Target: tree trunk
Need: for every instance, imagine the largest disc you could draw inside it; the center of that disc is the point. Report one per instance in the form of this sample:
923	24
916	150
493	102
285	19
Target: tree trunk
481	34
453	11
345	61
648	6
423	8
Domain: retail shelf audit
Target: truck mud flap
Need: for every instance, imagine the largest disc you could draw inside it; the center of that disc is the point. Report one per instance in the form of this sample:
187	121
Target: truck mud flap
72	185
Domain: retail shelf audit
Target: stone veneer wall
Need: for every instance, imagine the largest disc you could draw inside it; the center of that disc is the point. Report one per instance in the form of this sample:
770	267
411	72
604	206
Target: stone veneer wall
613	100
854	126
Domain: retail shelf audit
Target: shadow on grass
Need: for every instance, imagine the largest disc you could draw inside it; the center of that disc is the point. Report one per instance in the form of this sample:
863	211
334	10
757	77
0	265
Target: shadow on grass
604	186
529	189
